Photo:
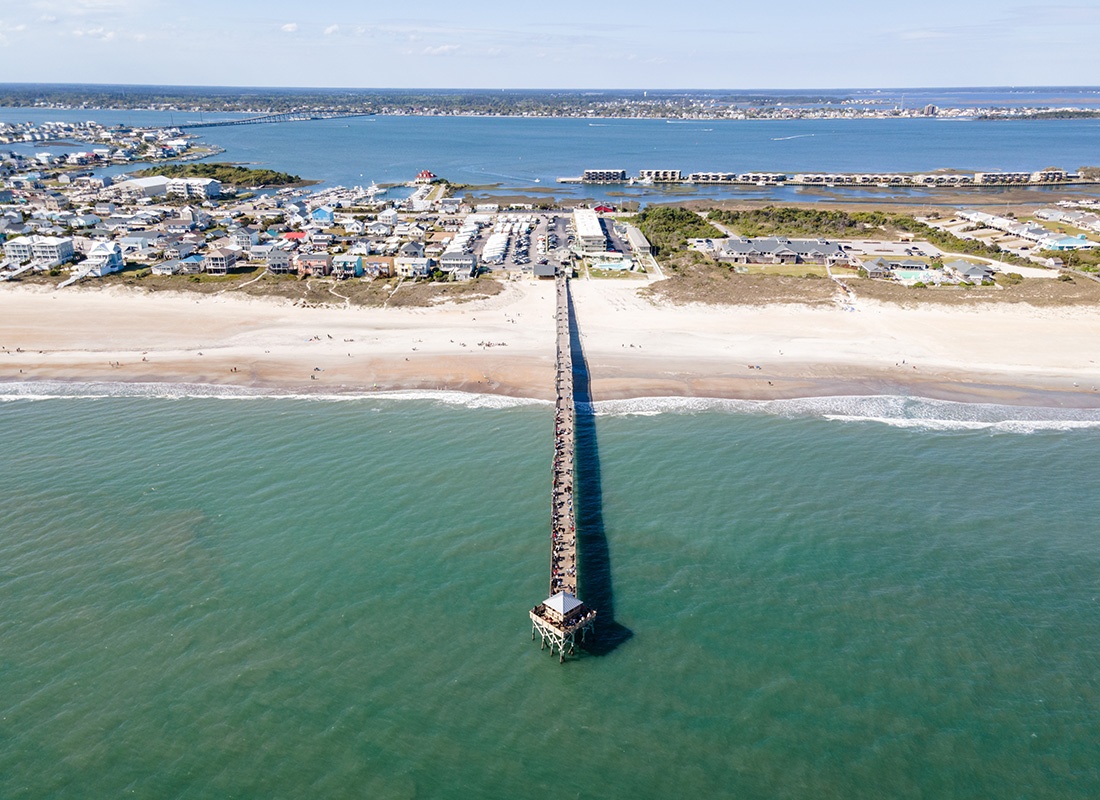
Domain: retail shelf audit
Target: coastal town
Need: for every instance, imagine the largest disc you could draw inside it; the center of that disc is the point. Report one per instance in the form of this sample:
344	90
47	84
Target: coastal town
639	104
745	357
68	217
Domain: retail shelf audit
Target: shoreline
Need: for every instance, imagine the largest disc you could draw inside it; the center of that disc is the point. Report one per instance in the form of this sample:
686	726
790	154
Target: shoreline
503	346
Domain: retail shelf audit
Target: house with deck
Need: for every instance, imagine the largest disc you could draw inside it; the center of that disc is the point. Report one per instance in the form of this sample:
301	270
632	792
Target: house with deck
219	261
314	263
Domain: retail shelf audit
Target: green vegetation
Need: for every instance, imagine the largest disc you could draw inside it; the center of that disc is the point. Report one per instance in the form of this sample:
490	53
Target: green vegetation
811	222
1084	260
226	173
668	228
1067	113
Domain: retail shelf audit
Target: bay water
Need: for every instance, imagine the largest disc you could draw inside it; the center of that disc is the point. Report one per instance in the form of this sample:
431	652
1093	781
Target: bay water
208	597
525	156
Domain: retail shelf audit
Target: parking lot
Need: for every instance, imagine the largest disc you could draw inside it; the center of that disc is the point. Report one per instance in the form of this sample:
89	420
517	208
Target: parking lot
516	241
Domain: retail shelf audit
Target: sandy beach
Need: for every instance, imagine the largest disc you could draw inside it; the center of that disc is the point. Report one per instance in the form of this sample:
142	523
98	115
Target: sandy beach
505	344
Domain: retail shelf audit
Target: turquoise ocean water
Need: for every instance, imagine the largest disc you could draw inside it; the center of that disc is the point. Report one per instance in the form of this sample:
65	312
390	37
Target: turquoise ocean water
209	597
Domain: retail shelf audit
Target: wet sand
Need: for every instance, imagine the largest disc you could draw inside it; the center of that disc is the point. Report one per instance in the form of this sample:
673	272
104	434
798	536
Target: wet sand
505	344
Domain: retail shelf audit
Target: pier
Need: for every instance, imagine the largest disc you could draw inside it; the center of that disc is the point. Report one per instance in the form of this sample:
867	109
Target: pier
562	616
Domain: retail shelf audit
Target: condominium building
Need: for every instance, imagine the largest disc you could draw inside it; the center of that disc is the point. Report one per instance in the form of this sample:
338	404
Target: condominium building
660	175
604	176
194	187
48	249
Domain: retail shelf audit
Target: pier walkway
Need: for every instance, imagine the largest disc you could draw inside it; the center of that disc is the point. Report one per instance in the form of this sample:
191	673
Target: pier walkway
562	616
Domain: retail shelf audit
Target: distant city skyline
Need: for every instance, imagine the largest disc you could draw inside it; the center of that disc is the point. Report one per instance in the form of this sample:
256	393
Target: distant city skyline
493	44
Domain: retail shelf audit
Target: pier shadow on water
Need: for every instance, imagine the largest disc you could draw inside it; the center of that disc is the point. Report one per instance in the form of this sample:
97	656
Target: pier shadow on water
594	556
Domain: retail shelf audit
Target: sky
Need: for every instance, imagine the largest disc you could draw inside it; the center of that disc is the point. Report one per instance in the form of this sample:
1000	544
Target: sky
643	44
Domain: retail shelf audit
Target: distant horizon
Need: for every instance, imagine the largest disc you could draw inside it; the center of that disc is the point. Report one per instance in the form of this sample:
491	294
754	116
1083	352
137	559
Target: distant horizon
498	44
568	89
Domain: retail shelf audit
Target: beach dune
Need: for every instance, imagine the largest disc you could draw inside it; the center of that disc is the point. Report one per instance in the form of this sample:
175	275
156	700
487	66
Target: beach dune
505	344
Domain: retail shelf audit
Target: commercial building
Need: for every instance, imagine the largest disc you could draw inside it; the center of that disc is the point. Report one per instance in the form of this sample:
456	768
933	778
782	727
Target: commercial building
589	231
144	187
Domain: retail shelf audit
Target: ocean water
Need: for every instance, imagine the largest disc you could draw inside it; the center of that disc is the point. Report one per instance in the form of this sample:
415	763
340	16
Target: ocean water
208	597
526	156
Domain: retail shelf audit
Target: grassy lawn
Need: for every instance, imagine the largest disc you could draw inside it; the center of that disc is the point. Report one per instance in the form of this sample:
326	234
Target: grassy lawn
788	270
623	274
1062	228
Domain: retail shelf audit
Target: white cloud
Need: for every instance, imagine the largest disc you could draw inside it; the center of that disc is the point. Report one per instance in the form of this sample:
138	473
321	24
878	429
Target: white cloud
331	29
290	27
923	35
100	33
74	8
49	19
441	50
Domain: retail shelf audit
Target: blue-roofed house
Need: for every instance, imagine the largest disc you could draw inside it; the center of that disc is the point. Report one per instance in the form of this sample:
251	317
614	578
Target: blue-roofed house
324	215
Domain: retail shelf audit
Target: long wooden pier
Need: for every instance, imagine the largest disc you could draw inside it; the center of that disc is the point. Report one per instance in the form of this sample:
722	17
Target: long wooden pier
562	616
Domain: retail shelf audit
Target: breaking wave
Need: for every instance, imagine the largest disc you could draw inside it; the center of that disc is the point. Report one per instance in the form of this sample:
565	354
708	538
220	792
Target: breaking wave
894	410
47	390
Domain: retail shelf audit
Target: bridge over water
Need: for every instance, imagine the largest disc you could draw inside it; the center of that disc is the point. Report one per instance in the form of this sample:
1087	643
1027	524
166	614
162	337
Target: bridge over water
562	616
290	116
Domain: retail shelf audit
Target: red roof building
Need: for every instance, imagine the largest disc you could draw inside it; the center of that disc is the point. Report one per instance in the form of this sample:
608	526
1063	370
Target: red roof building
424	176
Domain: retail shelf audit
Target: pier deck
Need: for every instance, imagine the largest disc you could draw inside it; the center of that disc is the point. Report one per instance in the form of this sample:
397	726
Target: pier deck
562	616
563	528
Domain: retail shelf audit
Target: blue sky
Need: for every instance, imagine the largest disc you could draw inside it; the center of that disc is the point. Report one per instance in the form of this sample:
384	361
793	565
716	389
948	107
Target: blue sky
707	44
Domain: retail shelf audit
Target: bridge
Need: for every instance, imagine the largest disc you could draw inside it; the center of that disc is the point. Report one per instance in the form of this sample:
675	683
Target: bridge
562	616
291	116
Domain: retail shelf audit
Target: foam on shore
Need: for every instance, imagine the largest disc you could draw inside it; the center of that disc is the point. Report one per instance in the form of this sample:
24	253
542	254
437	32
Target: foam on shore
27	391
899	411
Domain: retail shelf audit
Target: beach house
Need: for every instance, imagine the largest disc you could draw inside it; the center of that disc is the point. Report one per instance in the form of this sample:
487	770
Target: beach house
314	263
412	267
219	261
323	215
103	259
279	261
347	266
